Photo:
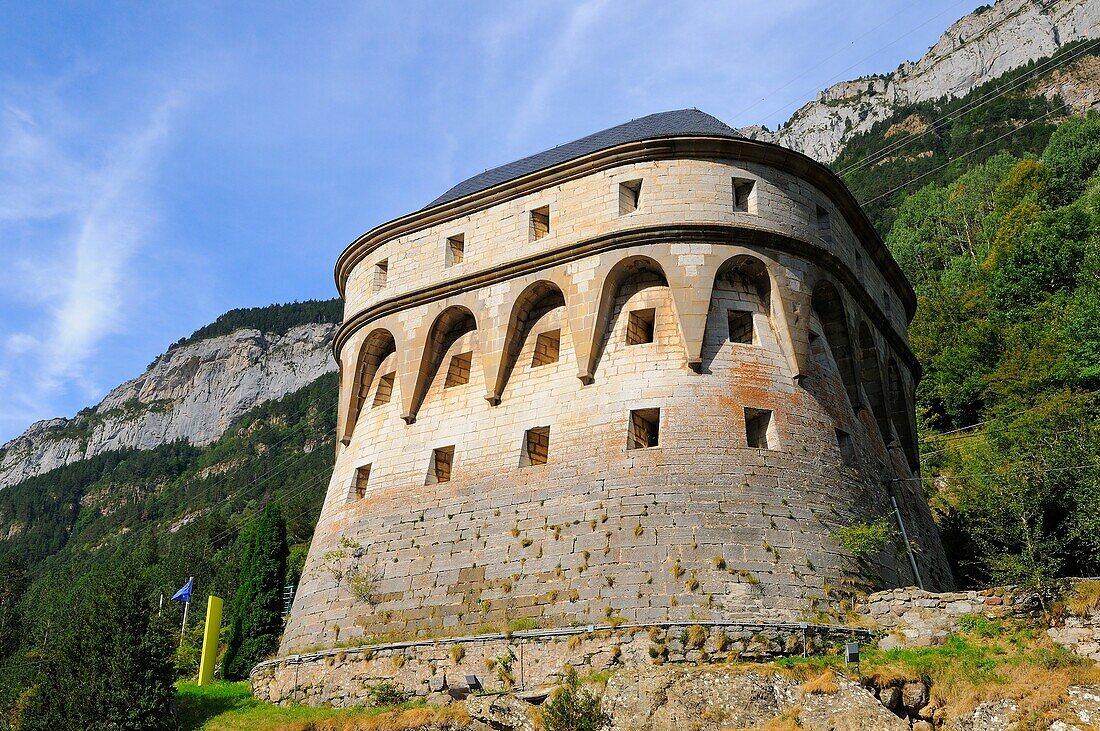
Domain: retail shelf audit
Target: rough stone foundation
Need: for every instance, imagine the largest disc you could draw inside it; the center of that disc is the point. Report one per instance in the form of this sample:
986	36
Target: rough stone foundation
531	660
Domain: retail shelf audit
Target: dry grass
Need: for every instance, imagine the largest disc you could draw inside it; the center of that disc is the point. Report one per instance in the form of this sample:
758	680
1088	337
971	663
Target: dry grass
823	684
1084	598
406	720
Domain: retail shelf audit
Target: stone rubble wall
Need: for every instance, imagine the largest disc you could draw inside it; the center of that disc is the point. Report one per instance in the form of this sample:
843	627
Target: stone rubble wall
915	618
531	660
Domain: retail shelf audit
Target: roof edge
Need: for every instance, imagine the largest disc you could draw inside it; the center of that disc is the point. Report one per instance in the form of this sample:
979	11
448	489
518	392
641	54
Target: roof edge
700	147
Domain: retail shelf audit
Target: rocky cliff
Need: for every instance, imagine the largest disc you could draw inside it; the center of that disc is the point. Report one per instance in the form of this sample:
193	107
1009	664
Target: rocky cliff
193	392
977	48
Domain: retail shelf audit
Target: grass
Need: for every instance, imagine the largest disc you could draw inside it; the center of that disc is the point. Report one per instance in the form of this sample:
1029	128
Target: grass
231	707
984	661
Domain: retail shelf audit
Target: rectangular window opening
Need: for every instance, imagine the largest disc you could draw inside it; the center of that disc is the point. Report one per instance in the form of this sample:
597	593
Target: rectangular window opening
362	477
384	392
639	326
847	448
741	327
536	446
456	249
759	429
824	228
859	266
442	460
381	270
743	199
644	428
458	372
630	196
540	222
886	304
547	347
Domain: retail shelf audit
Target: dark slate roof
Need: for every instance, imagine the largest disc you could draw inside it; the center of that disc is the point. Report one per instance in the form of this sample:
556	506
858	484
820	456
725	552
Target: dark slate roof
663	124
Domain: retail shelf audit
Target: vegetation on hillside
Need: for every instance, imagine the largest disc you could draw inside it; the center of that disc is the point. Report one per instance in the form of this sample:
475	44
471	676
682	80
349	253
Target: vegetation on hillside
1006	264
168	513
937	141
276	319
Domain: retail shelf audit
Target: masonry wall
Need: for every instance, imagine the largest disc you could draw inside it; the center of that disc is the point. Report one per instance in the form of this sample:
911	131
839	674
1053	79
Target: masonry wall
702	525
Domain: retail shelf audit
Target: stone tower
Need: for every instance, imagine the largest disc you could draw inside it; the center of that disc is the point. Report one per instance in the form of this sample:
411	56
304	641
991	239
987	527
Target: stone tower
644	375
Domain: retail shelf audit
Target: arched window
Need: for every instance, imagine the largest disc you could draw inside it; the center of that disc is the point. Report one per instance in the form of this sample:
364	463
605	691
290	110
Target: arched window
829	308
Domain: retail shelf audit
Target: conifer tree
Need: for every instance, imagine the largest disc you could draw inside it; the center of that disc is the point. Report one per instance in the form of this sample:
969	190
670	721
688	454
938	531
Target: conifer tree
108	667
256	615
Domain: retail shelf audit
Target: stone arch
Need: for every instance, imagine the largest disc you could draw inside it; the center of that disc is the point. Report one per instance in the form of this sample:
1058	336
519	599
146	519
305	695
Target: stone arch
377	346
870	377
533	303
829	308
449	326
744	280
900	413
637	270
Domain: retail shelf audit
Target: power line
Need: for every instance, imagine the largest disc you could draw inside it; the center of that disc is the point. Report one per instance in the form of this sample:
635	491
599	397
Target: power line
966	154
882	153
995	474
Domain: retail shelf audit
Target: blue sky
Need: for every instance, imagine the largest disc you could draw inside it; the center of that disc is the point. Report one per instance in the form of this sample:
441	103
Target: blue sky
161	163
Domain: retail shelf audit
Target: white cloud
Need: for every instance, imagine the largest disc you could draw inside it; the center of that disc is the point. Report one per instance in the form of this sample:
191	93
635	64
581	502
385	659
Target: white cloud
75	222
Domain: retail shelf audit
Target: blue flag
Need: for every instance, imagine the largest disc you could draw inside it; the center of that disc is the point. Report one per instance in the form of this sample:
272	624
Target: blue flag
184	594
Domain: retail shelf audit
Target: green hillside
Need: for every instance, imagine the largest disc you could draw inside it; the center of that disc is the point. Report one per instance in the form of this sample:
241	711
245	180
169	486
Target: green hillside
937	141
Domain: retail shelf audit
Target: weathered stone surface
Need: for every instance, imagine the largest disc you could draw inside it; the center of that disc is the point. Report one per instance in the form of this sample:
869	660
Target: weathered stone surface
702	524
193	392
668	699
500	712
977	48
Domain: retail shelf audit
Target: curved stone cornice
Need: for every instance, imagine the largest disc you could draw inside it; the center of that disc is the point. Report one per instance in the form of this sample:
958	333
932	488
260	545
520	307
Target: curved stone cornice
668	234
703	148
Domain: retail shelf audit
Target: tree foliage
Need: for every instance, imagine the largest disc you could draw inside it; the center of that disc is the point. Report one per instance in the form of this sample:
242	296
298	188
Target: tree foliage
108	663
1008	331
257	607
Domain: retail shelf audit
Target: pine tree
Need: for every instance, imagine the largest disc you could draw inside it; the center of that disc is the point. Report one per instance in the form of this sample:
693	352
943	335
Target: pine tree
109	667
257	619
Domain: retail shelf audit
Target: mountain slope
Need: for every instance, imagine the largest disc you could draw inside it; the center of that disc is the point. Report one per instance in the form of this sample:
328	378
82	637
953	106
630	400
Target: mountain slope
976	49
193	392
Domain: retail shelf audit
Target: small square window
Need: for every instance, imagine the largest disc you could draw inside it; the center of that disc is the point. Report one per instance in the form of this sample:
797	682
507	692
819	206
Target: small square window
644	428
384	392
630	196
741	327
639	326
824	227
847	448
759	429
458	372
540	222
743	199
547	346
381	270
442	460
362	477
536	446
456	249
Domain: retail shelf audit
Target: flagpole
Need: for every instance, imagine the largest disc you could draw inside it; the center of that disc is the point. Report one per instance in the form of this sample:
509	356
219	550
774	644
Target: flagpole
186	606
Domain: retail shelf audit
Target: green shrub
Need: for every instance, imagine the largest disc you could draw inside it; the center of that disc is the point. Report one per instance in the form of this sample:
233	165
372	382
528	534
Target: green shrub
865	539
573	708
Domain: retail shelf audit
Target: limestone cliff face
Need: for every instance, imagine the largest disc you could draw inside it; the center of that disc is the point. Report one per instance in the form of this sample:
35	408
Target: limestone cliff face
977	48
193	392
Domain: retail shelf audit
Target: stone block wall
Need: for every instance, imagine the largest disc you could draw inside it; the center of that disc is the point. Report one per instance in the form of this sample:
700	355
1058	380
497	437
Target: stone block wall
709	522
525	660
